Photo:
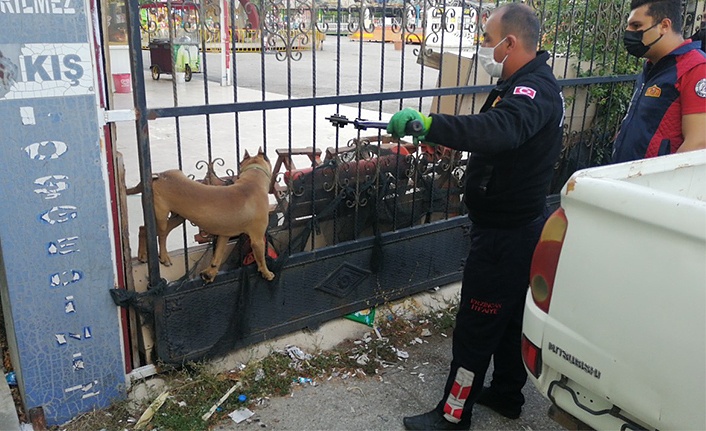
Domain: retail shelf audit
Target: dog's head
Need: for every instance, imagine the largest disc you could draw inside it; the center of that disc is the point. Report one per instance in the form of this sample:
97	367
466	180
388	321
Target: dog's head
260	158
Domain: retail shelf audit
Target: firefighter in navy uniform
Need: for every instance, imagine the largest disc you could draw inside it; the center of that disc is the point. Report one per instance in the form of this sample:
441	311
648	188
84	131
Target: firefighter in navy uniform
514	142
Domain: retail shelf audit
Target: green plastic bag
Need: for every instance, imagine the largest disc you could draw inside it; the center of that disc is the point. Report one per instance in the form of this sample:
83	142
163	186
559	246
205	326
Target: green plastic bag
366	316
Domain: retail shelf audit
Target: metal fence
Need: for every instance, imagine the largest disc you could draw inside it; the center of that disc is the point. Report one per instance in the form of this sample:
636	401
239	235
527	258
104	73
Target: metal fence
270	74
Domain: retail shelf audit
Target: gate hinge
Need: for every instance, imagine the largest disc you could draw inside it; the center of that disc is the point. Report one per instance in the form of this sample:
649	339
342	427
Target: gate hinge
115	115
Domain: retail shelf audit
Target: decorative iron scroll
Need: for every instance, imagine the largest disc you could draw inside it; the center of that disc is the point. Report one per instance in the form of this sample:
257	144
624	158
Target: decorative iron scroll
288	27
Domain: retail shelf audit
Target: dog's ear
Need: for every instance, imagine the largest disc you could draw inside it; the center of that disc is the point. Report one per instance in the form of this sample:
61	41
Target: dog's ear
262	153
246	155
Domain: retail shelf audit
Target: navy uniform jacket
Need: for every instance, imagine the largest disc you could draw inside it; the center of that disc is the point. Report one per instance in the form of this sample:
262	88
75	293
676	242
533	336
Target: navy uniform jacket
664	92
514	143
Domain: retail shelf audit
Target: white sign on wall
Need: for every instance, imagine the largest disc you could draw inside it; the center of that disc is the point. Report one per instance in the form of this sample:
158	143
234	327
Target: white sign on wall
46	70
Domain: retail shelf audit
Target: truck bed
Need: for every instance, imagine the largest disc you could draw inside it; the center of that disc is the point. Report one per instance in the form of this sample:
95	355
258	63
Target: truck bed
624	341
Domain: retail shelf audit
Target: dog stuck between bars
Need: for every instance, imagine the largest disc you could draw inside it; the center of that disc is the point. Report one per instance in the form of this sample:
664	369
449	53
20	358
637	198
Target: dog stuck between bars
223	211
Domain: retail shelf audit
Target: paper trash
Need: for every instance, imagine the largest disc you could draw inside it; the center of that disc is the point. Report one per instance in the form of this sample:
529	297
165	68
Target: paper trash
240	415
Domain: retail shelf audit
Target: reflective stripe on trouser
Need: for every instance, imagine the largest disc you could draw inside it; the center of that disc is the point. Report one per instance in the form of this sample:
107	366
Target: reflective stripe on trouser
456	399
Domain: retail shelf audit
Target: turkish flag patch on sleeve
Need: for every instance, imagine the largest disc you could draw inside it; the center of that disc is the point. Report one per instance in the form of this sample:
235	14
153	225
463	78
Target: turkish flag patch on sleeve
525	91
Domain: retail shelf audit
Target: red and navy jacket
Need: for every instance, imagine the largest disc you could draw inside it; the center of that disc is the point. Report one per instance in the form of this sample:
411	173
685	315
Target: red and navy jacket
664	92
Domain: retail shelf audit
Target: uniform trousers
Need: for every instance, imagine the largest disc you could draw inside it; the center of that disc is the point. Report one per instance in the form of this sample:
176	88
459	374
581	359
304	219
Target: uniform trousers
489	319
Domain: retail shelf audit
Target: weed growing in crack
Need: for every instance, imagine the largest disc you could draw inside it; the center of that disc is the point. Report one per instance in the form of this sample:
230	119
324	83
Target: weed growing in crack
271	376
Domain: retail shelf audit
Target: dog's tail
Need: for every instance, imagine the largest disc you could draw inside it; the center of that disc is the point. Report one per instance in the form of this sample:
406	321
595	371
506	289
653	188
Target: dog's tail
139	188
135	190
212	179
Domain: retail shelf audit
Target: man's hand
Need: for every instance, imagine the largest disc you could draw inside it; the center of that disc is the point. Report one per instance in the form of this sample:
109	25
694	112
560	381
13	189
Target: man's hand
398	125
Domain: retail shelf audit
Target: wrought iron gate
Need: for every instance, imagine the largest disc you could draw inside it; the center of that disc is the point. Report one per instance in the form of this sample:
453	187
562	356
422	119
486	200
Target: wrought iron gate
365	219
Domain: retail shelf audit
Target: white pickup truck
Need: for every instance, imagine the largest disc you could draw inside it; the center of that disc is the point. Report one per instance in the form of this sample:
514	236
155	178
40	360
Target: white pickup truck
614	330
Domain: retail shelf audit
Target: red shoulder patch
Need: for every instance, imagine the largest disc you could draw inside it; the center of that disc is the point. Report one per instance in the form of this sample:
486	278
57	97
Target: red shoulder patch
525	91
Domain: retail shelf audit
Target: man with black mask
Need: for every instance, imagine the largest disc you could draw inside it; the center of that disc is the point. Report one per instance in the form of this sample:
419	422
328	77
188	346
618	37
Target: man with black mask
667	113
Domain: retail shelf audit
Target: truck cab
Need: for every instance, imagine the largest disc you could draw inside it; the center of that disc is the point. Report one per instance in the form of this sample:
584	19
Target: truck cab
614	330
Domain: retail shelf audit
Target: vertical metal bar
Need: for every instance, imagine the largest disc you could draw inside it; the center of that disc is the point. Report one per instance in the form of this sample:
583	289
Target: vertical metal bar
288	45
591	140
234	68
477	38
143	139
175	99
201	30
422	52
403	38
457	106
434	164
458	97
542	15
362	29
425	36
420	157
591	69
338	92
403	29
313	119
616	54
569	40
263	46
556	33
376	195
580	56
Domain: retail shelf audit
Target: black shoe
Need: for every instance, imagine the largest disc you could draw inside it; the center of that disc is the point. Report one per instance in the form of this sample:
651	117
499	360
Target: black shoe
499	404
431	421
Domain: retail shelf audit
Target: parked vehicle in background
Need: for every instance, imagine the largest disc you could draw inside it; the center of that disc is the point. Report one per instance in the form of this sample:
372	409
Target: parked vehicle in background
615	321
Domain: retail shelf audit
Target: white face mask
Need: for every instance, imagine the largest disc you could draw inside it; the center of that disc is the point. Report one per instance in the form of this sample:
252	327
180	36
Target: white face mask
486	58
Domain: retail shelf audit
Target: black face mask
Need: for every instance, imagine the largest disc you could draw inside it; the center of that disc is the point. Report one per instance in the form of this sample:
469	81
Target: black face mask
633	42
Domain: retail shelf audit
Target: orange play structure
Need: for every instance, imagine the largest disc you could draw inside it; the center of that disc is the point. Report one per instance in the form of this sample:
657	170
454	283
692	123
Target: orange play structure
389	36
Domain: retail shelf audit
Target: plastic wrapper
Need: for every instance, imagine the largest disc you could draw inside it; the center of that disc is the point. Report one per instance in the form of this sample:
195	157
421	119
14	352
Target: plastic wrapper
366	317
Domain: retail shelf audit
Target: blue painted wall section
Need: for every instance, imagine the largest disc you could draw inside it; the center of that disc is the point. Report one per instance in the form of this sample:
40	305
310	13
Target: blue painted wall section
55	229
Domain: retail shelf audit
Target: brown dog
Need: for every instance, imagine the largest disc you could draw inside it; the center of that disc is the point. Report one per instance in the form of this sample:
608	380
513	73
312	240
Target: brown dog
223	211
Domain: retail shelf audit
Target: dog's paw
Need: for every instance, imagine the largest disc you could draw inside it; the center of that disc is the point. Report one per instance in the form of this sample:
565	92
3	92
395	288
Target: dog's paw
267	275
208	276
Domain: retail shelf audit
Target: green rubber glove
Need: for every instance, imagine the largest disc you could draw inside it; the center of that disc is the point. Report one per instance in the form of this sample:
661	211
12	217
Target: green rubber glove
398	124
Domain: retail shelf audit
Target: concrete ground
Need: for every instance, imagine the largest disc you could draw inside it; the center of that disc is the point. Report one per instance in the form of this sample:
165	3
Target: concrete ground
409	387
380	402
